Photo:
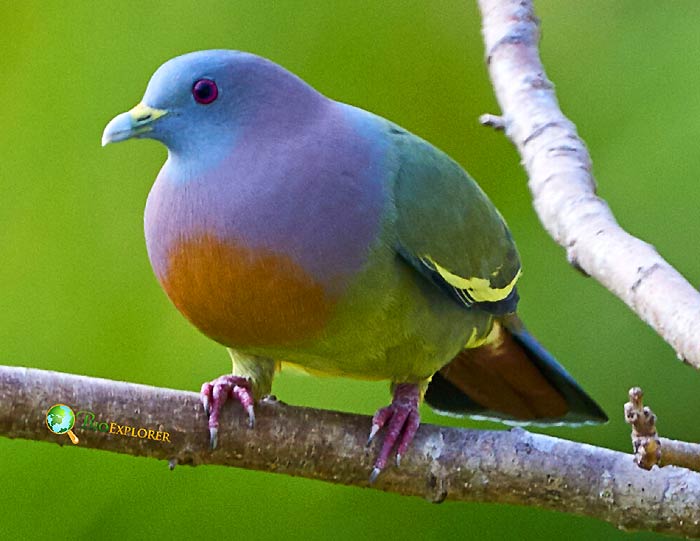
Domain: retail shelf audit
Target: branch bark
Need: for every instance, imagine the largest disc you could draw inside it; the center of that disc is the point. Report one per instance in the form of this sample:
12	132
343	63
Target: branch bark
514	467
563	188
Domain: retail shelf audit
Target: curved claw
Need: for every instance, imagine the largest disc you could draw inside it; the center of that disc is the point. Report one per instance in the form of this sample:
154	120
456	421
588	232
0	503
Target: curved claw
205	403
378	421
204	397
372	434
251	416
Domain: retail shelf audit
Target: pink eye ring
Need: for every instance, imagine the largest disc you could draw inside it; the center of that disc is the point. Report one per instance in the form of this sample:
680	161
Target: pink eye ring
205	91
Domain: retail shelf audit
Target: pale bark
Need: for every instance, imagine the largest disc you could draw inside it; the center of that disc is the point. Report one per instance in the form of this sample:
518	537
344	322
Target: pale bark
564	191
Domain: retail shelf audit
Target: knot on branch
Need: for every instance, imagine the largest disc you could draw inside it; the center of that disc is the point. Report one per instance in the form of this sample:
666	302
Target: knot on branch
496	122
645	439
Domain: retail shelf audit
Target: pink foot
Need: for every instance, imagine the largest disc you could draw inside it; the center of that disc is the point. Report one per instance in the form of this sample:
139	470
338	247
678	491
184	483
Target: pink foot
214	395
403	419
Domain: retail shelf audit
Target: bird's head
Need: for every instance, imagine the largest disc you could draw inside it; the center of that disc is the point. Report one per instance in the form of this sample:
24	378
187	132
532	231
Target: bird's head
203	96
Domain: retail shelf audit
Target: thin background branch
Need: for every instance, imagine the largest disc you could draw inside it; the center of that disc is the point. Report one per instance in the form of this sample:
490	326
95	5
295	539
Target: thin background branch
563	188
513	466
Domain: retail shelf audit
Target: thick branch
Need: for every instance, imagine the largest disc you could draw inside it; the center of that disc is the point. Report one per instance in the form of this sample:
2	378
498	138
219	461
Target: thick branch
563	188
444	463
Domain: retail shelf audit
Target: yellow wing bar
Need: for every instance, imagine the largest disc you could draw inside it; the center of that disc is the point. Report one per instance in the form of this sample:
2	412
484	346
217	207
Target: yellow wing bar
478	289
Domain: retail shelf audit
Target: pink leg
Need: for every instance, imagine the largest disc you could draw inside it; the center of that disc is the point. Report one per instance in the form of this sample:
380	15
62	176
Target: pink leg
403	418
214	395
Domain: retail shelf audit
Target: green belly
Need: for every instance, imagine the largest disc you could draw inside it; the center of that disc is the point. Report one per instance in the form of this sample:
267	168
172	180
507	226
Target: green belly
391	323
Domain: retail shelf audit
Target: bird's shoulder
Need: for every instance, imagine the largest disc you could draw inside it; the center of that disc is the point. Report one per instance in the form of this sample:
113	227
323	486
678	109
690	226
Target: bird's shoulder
448	229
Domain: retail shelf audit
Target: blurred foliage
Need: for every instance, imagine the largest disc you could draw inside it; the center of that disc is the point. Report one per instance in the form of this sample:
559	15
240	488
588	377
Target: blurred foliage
78	295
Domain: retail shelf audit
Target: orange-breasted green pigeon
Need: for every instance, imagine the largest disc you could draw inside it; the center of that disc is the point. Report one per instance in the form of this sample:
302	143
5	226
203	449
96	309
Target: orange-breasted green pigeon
295	229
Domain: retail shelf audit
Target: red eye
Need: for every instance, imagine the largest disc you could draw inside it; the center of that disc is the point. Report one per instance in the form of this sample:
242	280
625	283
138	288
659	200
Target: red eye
205	91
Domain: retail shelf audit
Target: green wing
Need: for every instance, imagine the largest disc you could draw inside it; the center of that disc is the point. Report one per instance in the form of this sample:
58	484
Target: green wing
449	230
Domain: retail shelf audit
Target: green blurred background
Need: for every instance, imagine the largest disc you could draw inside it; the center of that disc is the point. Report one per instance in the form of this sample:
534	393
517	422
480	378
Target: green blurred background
77	293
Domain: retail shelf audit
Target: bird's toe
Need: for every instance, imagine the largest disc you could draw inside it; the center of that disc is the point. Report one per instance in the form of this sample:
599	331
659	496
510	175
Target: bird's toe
214	395
403	420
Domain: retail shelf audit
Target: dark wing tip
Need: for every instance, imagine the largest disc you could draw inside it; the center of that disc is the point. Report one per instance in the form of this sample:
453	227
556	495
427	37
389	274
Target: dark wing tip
512	379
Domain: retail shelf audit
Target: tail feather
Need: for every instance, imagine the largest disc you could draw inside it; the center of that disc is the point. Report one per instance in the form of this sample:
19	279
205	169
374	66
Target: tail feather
513	378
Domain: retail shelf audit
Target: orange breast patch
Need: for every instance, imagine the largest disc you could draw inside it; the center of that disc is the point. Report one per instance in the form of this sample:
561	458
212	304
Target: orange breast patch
243	297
